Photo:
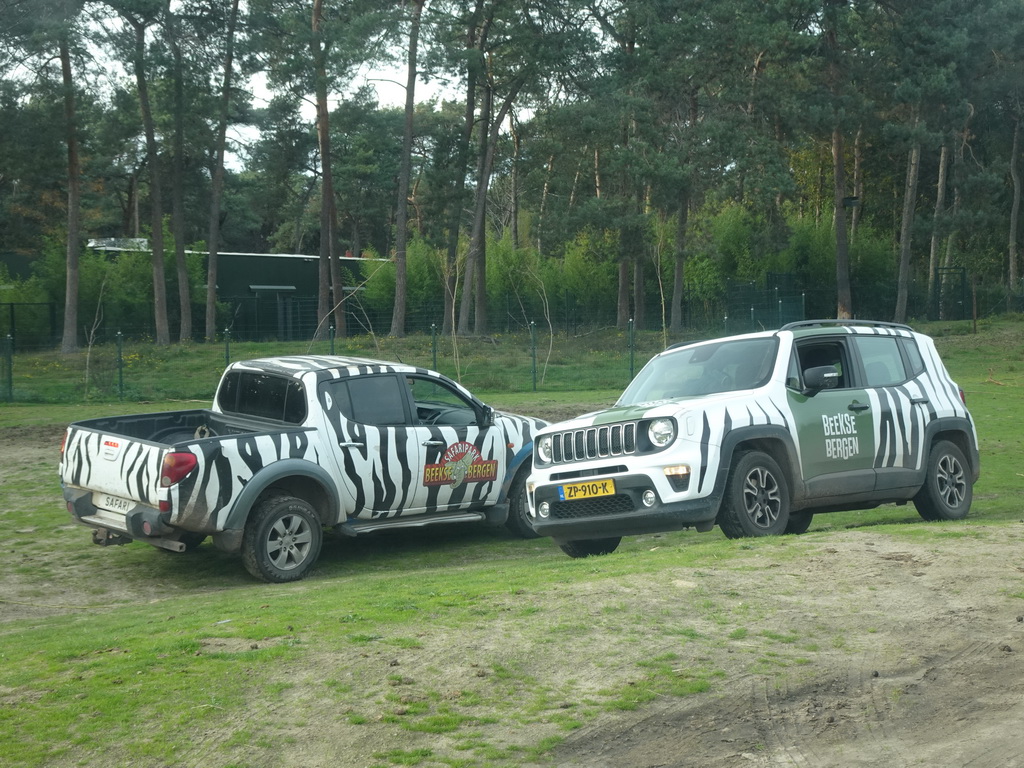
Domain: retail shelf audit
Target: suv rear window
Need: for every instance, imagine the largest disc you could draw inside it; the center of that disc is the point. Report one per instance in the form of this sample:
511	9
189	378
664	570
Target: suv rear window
263	395
883	363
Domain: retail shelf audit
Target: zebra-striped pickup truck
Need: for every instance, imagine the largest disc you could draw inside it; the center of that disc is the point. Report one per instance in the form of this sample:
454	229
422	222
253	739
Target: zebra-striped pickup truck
294	444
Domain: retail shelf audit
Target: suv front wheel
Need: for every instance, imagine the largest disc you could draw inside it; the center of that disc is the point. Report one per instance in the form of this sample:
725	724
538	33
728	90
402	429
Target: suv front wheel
948	488
756	501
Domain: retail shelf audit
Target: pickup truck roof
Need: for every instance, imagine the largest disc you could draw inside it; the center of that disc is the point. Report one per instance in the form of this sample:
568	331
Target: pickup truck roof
344	365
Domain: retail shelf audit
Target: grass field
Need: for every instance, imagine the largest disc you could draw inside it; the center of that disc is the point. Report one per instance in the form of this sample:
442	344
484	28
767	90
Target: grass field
451	647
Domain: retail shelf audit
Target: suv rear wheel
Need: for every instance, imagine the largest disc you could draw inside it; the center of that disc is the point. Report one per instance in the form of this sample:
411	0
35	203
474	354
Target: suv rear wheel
756	499
948	489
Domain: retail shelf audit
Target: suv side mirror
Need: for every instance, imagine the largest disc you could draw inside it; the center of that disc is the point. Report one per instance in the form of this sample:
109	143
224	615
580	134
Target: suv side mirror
819	378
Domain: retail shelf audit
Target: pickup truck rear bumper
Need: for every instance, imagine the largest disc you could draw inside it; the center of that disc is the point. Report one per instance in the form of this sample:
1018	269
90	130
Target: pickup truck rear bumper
140	523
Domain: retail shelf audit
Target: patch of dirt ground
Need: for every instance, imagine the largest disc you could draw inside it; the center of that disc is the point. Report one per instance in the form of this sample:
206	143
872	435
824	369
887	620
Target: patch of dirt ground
917	657
928	670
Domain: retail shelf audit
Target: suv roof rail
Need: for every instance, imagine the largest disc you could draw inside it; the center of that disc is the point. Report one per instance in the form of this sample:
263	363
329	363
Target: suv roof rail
837	321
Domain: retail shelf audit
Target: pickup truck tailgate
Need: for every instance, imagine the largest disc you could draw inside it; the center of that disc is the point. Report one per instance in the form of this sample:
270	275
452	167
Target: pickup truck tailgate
117	469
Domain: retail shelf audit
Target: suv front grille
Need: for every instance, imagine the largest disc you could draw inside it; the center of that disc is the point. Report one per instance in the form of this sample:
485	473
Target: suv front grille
593	443
607	505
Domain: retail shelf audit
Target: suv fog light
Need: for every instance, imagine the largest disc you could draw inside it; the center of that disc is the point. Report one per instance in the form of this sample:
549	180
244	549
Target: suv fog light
678	477
544	509
649	498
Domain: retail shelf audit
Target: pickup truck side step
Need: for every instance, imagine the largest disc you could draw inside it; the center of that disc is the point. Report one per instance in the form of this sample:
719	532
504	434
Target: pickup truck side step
355	526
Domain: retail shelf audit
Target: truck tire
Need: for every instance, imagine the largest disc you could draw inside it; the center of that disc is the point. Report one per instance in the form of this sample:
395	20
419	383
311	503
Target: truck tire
756	501
518	520
590	547
282	539
948	488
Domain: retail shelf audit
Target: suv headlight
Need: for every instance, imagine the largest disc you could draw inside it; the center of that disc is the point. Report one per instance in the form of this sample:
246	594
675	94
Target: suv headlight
544	449
661	432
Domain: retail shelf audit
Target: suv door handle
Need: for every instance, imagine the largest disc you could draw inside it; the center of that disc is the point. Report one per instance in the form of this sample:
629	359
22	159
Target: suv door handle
858	406
432	443
351	445
918	400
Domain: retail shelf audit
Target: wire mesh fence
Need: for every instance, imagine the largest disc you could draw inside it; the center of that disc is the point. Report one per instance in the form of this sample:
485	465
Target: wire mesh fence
528	347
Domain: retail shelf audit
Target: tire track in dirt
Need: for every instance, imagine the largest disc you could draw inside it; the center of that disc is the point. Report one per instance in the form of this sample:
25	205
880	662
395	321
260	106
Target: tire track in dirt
960	709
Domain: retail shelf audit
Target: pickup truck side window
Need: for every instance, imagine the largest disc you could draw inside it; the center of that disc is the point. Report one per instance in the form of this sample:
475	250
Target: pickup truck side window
436	404
263	396
377	400
883	363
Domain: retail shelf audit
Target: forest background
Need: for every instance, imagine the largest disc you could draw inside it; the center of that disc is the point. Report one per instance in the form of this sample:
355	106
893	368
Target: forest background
639	160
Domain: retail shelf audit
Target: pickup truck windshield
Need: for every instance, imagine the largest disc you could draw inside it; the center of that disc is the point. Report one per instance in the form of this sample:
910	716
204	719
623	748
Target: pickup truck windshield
263	395
703	369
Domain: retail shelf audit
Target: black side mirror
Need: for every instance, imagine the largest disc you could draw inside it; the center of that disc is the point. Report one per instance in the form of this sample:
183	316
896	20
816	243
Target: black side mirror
487	420
819	378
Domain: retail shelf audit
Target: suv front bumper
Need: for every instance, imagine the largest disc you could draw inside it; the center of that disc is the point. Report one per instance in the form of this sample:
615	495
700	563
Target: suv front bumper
623	514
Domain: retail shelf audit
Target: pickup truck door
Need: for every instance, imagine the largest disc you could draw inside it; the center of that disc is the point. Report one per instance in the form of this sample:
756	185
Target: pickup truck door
465	456
409	445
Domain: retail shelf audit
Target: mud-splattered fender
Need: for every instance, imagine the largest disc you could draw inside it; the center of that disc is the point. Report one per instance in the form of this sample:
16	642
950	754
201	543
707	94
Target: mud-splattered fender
282	473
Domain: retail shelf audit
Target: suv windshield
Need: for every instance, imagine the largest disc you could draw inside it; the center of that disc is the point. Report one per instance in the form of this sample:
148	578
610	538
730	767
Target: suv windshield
704	369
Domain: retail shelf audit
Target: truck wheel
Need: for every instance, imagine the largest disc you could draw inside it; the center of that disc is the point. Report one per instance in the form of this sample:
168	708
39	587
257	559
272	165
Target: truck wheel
588	547
518	520
948	489
282	539
756	501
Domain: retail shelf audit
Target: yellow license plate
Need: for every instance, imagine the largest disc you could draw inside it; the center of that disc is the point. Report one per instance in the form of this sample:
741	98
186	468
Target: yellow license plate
589	490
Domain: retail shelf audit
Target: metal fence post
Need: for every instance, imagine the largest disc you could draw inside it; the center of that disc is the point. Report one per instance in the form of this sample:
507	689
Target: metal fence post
9	356
120	366
330	333
433	344
227	347
533	351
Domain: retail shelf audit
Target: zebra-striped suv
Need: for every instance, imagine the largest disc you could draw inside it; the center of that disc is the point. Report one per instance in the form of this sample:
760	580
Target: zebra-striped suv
758	433
294	444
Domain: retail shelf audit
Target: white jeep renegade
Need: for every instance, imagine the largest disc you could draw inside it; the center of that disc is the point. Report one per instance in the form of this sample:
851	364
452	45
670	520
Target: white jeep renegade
757	433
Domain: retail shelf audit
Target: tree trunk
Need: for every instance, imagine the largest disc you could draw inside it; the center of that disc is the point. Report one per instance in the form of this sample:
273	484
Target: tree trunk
218	178
472	281
480	209
404	177
163	334
906	232
475	34
328	227
622	304
516	154
858	182
1014	216
177	183
937	218
676	321
844	300
69	340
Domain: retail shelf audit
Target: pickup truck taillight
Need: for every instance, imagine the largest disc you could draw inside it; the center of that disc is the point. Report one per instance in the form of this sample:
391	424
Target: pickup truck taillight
176	466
